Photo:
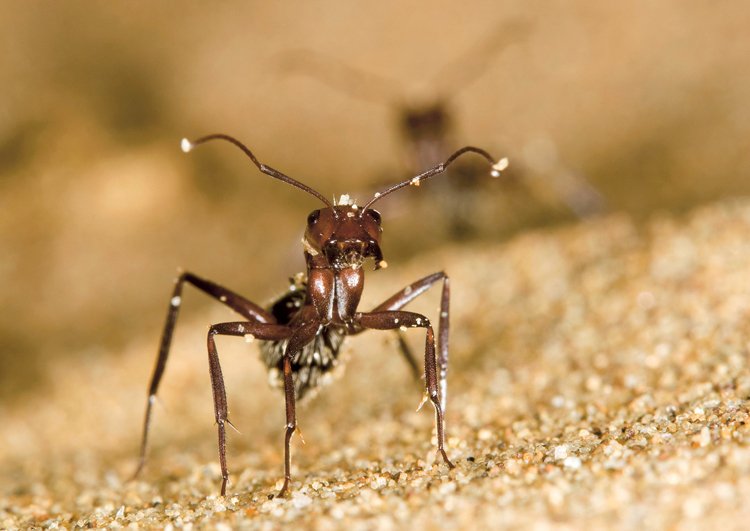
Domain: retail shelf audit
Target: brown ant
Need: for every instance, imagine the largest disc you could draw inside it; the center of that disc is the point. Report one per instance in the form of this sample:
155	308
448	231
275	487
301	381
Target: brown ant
302	332
427	127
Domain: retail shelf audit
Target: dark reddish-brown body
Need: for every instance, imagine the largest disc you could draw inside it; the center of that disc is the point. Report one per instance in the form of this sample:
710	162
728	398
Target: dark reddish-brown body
302	332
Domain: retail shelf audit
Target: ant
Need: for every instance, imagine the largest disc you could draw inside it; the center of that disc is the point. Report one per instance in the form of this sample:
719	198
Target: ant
301	333
427	127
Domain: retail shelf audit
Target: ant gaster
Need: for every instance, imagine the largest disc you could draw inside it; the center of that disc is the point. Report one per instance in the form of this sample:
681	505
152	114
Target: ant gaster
302	332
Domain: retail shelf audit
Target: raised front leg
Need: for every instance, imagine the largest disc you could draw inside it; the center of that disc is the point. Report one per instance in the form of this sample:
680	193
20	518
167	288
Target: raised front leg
404	297
244	307
390	320
270	332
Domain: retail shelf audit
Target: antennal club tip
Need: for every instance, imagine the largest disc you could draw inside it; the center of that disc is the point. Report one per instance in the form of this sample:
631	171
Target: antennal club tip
186	145
499	166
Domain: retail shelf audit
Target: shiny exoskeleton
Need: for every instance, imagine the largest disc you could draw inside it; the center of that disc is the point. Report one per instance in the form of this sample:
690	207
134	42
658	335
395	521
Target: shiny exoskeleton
314	363
302	332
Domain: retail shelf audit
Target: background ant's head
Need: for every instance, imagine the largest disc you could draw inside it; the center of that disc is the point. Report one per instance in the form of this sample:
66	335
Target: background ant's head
425	122
345	235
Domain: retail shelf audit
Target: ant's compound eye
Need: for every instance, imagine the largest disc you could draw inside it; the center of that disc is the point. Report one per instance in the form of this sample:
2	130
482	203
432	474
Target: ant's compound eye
375	215
313	217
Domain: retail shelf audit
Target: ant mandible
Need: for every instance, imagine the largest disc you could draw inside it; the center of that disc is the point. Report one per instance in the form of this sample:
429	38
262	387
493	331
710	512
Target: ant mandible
302	332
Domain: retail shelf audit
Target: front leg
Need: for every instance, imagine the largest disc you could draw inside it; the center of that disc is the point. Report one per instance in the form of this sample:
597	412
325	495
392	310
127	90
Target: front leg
241	305
302	334
267	332
391	320
404	297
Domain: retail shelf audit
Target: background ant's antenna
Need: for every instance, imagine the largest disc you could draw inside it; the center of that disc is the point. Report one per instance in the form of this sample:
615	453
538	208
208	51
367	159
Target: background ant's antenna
456	75
340	76
497	167
469	66
188	145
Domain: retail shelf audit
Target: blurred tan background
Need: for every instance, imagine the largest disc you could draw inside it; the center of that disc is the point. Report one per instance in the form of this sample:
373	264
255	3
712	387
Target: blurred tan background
98	206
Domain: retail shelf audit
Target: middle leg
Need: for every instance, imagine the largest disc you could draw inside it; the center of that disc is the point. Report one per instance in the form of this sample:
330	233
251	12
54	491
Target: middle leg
390	320
270	332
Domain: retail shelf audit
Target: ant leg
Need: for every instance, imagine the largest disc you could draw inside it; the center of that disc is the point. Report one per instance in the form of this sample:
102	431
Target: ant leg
408	294
305	333
244	307
238	303
272	332
291	423
389	320
406	352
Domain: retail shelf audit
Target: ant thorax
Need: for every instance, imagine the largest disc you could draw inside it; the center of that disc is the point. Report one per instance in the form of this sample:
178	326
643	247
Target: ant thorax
314	365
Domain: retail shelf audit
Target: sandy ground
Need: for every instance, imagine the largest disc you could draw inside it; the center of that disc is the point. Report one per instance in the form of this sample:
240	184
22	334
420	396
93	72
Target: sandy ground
599	379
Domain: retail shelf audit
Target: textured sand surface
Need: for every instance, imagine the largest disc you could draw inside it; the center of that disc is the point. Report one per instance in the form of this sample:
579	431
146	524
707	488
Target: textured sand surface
599	378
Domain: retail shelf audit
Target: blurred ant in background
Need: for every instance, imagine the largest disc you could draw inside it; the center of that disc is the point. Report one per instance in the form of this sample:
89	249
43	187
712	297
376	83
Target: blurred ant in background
427	130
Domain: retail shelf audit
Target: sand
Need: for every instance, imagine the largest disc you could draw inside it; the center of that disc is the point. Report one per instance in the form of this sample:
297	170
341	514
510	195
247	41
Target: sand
599	379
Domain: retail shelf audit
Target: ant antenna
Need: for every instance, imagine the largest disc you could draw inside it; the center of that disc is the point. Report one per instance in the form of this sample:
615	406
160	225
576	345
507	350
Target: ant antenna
340	76
470	65
497	167
188	145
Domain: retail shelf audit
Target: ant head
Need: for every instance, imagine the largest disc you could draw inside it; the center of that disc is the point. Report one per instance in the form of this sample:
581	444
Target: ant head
345	235
427	121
